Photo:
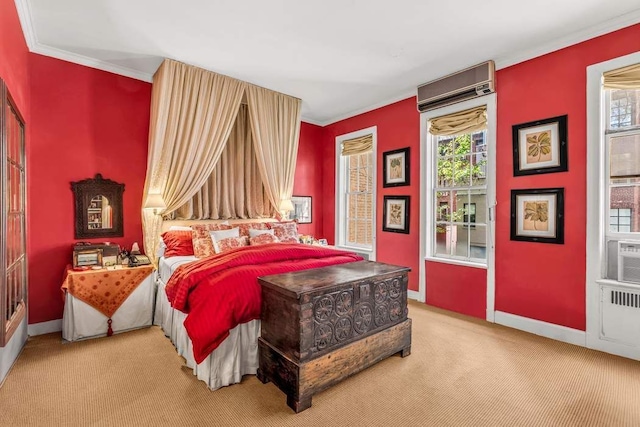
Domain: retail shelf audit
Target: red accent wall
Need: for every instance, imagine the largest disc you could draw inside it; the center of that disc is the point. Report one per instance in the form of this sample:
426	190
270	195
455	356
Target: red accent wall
398	127
457	288
84	121
14	67
14	59
308	178
545	281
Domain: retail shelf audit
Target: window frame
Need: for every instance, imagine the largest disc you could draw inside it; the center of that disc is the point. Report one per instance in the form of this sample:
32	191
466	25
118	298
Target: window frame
426	203
596	244
340	195
428	217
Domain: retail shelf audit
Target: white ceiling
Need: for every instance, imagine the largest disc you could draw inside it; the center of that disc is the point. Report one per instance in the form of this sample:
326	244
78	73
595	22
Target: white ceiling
341	57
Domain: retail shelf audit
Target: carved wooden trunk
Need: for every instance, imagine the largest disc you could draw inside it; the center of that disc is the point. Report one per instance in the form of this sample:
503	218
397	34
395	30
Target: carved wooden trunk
322	325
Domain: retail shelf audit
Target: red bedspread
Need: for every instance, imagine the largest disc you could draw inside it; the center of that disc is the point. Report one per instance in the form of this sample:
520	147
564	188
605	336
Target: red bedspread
222	291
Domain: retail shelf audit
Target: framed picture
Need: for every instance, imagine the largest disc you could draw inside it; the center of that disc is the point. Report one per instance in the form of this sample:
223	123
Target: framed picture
395	167
301	209
538	215
540	146
395	216
87	258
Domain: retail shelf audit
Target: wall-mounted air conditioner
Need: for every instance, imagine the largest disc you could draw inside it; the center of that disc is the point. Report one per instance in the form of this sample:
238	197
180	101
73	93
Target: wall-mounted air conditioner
629	261
457	87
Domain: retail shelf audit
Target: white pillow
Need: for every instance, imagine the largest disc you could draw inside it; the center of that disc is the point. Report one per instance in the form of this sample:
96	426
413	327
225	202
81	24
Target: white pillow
223	234
255	233
161	248
179	228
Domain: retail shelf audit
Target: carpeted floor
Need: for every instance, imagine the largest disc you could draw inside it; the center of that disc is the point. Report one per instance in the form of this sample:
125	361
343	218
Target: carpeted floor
461	372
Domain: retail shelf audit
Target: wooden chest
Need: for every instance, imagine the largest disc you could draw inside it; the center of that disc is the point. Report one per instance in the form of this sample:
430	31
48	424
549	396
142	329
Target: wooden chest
322	325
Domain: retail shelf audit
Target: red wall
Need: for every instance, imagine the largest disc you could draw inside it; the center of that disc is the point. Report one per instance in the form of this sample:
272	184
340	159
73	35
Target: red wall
308	178
84	121
14	58
398	127
535	280
457	288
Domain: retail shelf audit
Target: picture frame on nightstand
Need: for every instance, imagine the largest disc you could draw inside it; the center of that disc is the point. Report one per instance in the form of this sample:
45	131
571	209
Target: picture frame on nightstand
87	258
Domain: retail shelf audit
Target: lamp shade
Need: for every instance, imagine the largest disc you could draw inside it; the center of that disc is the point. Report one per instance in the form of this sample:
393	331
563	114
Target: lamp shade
286	205
154	201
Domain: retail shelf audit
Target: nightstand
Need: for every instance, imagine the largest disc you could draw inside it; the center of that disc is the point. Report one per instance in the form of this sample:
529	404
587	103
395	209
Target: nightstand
106	301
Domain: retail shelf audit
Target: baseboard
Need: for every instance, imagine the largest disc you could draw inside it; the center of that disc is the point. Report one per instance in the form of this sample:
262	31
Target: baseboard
45	327
415	295
537	327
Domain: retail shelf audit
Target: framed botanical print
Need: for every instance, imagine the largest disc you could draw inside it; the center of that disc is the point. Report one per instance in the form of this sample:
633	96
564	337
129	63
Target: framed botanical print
537	215
396	214
395	167
540	146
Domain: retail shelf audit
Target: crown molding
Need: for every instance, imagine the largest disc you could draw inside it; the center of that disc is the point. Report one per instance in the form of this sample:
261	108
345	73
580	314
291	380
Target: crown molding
401	97
606	27
580	36
24	15
311	121
91	62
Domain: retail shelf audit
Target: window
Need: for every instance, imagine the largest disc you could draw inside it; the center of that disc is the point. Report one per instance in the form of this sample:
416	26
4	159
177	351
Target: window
355	207
622	166
623	105
458	183
622	137
620	220
460	188
469	214
359	192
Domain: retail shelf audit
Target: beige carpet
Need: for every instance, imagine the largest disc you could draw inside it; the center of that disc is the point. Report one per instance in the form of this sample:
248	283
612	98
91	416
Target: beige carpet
461	372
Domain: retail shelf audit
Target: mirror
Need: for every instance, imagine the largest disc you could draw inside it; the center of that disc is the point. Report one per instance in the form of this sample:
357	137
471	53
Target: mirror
99	212
98	207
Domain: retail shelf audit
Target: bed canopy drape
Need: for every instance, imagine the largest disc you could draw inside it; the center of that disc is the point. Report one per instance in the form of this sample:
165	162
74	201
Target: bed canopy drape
234	188
193	112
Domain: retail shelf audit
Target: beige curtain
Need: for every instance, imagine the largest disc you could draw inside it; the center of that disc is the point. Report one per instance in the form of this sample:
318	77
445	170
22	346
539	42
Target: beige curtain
234	189
192	114
359	145
466	121
623	78
275	124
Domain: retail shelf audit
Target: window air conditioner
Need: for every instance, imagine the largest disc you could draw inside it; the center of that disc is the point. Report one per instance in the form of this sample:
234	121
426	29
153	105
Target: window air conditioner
457	87
629	261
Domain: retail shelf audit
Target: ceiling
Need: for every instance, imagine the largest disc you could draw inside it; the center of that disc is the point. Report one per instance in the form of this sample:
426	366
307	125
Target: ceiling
341	57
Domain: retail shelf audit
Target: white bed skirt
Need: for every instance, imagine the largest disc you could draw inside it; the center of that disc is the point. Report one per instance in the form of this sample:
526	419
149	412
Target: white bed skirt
80	320
235	357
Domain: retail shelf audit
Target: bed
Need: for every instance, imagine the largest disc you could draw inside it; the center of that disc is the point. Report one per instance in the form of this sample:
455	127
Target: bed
225	360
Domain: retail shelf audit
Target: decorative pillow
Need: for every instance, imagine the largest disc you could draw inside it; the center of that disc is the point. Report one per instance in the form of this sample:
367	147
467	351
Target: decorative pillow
287	232
202	243
246	226
263	239
218	235
254	233
178	243
162	247
229	243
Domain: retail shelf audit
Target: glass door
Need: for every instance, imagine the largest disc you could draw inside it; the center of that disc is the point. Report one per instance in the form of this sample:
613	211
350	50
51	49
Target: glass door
13	261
